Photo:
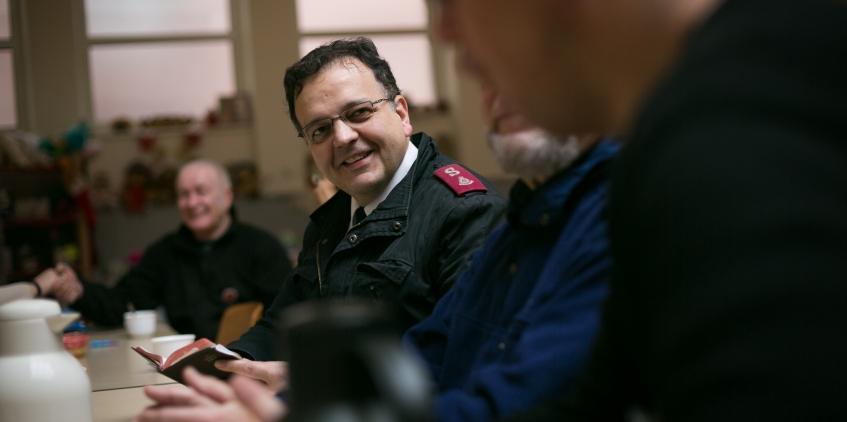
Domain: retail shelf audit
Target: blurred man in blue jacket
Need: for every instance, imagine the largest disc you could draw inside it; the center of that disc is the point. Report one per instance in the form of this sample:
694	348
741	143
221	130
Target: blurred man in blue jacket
518	325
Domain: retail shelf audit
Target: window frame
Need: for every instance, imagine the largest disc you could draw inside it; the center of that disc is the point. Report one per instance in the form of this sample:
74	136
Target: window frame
435	60
12	44
233	36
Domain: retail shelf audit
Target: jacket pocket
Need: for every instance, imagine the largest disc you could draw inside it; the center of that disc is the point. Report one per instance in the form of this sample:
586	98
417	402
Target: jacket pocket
394	271
382	278
305	283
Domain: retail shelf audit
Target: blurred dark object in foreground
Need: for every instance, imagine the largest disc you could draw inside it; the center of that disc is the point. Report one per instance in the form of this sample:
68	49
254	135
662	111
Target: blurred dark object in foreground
347	363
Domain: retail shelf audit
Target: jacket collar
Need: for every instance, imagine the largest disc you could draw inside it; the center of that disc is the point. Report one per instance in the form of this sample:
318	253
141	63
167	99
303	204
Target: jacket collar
185	239
405	165
543	207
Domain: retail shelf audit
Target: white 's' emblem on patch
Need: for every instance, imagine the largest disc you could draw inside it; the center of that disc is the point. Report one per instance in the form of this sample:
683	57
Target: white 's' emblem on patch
450	171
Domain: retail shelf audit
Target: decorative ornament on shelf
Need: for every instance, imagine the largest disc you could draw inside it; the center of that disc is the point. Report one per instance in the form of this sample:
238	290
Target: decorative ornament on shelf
192	139
136	181
146	140
121	125
103	196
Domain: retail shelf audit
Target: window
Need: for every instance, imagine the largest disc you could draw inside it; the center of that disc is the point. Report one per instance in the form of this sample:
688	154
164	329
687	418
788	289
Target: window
403	39
8	112
158	57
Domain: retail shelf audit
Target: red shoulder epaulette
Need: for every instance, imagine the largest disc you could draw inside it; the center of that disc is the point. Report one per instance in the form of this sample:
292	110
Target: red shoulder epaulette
459	179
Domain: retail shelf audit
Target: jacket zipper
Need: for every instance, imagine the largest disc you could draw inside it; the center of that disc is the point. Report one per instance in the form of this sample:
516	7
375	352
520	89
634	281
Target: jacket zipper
318	265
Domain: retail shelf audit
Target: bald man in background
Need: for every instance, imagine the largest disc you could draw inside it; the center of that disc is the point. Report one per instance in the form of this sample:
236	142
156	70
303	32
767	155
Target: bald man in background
212	261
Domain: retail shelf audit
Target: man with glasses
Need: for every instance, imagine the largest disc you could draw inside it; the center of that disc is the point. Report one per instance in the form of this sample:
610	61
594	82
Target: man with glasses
405	218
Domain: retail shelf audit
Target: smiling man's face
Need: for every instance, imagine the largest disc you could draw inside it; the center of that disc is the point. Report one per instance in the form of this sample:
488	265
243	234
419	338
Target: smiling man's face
203	200
359	159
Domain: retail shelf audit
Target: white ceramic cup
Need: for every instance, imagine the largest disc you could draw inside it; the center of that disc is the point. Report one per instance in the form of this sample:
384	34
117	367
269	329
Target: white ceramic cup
164	346
140	323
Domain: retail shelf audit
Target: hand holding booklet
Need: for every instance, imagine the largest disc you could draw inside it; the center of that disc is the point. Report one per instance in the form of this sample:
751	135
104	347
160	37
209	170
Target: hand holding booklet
201	354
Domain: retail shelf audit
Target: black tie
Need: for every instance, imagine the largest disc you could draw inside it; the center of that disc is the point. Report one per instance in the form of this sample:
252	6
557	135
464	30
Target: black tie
359	215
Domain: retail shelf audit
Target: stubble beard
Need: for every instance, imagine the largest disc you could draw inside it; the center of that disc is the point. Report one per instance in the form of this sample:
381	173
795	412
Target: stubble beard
533	154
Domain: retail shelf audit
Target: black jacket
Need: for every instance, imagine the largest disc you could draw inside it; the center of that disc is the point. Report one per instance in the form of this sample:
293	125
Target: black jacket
407	252
194	281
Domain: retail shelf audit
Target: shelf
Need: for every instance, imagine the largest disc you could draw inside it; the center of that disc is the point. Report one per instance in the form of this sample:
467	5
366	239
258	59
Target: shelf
51	169
60	220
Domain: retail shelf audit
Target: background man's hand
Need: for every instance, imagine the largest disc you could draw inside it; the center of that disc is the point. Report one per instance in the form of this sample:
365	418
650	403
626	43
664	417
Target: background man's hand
47	281
273	374
68	289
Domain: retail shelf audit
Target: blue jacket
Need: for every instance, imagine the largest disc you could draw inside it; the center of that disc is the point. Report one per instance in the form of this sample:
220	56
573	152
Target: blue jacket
518	325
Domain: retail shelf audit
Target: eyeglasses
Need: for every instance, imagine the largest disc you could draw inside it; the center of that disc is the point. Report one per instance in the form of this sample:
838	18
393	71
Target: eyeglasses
322	130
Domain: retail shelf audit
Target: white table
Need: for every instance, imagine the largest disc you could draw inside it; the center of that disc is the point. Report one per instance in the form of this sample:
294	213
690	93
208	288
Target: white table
118	374
118	405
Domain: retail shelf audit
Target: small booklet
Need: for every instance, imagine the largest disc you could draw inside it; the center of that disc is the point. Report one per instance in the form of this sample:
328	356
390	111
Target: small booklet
201	354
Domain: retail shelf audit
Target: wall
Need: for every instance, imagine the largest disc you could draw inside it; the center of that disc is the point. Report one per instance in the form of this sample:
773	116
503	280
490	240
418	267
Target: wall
54	95
54	82
224	145
269	45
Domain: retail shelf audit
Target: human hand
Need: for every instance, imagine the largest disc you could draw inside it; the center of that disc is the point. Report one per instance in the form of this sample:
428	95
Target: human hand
209	399
69	288
258	399
47	281
273	374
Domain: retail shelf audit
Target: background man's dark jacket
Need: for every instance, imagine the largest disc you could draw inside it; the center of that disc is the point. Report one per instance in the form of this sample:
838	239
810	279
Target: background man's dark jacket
194	281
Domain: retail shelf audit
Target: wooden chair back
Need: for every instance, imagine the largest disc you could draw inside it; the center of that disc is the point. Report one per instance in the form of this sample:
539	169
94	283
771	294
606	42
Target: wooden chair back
237	319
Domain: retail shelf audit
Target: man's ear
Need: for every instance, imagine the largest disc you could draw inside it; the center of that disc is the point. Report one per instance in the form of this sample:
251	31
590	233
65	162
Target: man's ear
401	107
228	197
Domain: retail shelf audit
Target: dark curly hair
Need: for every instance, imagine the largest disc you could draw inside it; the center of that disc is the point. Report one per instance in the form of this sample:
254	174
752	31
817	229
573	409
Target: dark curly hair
360	48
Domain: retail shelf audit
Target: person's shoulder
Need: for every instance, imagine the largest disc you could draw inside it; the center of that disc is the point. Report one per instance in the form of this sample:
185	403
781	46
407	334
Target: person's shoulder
465	191
455	179
254	232
168	239
436	168
459	180
448	183
165	245
452	192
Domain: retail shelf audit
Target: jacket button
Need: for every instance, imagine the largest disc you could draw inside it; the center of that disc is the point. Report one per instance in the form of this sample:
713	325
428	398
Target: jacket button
501	346
397	226
353	238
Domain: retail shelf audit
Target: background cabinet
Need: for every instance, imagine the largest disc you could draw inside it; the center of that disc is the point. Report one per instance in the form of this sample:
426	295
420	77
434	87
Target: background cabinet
41	224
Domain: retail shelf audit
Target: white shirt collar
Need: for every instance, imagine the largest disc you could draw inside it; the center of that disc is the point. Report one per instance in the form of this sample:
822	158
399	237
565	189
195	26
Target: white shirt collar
405	165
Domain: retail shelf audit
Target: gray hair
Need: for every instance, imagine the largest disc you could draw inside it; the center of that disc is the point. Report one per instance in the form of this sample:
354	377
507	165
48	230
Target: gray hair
223	175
